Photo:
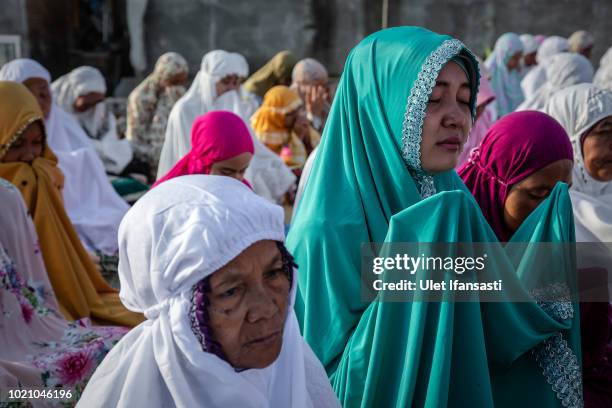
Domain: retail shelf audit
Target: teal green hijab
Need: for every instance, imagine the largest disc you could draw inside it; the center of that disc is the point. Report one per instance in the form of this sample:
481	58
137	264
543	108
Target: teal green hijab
367	185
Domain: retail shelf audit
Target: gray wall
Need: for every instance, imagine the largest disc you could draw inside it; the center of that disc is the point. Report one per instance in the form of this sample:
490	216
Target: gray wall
328	29
13	21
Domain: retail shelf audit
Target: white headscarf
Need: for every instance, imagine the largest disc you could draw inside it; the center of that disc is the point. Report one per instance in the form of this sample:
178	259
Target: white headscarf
267	173
562	71
578	109
199	99
603	77
98	121
530	44
505	83
176	235
92	204
537	76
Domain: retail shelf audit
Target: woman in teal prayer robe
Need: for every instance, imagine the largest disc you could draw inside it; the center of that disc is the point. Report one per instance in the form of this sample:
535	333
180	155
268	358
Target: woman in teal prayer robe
383	173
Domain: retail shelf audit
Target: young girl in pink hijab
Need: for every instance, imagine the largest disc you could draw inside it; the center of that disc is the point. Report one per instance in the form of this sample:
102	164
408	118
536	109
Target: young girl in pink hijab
221	145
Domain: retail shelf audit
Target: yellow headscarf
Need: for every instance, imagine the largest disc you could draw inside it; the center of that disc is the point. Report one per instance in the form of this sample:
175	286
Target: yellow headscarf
269	126
78	285
276	71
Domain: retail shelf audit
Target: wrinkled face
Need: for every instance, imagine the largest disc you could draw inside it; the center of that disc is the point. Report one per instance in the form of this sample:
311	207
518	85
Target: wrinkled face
86	102
228	83
530	59
514	61
233	167
248	306
178	79
40	89
28	147
447	121
597	150
527	194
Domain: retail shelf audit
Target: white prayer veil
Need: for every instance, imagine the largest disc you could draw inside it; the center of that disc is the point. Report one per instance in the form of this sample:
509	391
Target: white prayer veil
176	235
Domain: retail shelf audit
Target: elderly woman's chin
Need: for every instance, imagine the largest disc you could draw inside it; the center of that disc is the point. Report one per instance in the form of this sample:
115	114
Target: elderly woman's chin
263	351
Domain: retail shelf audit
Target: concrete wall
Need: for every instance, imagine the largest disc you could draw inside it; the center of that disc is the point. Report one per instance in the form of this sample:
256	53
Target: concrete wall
328	29
13	21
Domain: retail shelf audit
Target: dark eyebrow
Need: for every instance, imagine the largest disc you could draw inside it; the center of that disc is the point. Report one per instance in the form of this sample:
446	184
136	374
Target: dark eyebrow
446	84
275	259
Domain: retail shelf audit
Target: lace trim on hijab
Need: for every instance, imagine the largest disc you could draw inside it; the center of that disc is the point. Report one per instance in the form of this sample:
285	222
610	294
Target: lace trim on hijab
6	146
415	112
558	362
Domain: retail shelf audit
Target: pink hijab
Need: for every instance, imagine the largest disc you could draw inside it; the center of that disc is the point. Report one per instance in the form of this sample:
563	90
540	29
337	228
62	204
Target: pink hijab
215	136
516	146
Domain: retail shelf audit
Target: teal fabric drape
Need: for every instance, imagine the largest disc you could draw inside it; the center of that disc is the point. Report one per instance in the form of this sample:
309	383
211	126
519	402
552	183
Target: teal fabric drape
367	185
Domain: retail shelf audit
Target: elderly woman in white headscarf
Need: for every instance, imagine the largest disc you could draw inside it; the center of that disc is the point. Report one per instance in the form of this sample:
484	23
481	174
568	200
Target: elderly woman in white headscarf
81	93
149	106
536	77
310	81
581	42
217	87
203	258
603	77
585	111
562	71
94	208
503	65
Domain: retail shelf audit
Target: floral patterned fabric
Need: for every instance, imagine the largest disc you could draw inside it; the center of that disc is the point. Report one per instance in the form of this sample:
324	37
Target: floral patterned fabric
39	348
149	107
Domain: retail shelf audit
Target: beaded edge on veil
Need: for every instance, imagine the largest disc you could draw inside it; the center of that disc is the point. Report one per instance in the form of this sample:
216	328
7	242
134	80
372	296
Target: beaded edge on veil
415	111
556	359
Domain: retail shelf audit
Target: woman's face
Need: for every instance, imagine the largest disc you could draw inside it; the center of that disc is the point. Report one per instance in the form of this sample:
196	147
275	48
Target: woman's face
232	167
597	150
228	83
447	121
28	147
527	194
530	59
85	102
40	89
248	306
514	61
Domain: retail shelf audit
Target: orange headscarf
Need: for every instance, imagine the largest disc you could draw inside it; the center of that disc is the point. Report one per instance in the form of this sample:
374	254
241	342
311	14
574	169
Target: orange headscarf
269	125
78	285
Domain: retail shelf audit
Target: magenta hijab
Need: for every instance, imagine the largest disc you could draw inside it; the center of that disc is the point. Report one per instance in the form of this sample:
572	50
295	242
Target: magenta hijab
516	146
215	136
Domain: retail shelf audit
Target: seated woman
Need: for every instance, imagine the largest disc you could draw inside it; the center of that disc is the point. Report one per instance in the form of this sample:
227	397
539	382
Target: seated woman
280	123
27	162
585	111
149	106
504	64
220	145
517	165
203	258
39	348
277	71
82	94
310	81
94	208
384	172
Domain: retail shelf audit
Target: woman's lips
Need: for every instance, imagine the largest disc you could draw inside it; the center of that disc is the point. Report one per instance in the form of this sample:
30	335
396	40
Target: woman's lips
451	144
264	341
